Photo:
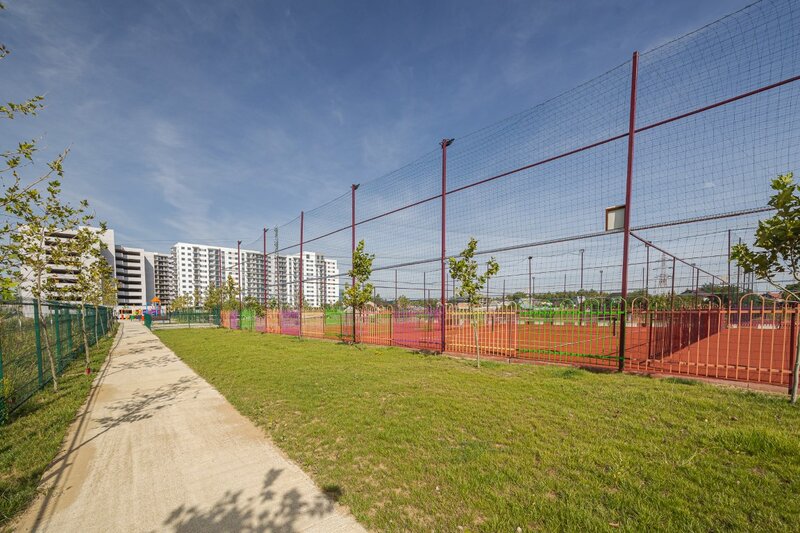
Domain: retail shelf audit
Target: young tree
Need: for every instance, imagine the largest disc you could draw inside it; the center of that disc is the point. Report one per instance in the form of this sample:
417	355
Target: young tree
213	299
403	302
197	298
777	249
19	193
464	269
357	295
181	302
230	294
31	216
251	303
86	257
39	247
107	285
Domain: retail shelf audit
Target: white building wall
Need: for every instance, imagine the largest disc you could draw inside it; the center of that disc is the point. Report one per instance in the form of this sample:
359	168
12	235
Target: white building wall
131	277
65	276
198	267
164	274
149	276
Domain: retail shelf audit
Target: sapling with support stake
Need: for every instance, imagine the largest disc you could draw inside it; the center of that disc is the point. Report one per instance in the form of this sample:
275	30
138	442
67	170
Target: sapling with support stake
777	250
464	269
360	292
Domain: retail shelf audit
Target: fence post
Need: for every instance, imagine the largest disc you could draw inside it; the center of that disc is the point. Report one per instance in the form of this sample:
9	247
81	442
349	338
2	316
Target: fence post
300	276
38	335
56	320
264	269
792	346
442	329
353	188
70	346
628	194
391	323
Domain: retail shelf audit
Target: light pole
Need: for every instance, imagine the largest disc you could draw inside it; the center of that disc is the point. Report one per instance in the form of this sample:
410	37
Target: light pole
582	250
601	282
530	283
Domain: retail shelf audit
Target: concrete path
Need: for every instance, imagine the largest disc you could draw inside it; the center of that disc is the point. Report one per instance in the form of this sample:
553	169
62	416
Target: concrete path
156	448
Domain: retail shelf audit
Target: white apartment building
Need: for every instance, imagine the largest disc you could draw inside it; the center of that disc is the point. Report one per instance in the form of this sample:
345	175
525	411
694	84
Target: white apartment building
164	277
131	276
64	275
198	267
320	278
143	275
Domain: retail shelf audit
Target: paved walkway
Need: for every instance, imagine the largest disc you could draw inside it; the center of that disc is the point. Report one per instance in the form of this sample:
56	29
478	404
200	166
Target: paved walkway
158	449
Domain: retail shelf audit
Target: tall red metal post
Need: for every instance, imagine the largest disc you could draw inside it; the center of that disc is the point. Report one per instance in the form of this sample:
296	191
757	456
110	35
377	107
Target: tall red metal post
730	293
300	276
239	268
353	188
443	315
264	303
265	267
628	194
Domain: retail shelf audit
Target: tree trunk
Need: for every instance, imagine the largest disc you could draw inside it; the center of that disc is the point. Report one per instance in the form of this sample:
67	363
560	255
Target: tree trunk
47	347
96	337
354	324
85	339
477	344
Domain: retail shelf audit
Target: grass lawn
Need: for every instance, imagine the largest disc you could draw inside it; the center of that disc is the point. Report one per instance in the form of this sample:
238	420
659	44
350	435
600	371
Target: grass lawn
421	443
30	441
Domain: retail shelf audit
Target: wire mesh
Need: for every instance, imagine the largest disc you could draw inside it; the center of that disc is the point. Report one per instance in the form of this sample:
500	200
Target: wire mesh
716	119
31	332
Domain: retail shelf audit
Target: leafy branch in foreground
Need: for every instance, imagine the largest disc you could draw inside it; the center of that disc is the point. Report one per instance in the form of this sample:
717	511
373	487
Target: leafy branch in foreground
776	249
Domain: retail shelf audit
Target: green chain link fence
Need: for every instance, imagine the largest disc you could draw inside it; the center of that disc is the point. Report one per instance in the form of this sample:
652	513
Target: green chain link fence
24	367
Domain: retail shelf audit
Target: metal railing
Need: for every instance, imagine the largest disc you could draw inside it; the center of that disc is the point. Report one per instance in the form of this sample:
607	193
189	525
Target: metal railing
751	340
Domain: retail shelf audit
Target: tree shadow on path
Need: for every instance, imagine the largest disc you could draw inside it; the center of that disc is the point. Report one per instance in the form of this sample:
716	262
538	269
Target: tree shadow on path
269	511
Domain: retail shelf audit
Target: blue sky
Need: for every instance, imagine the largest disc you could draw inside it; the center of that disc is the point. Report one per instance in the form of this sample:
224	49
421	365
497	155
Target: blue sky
204	121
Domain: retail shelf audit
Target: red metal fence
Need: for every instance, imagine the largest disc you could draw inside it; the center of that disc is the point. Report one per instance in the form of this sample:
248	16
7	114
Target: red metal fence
753	342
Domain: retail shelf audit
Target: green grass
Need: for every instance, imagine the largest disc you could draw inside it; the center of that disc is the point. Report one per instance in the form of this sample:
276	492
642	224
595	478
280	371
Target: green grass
421	443
32	438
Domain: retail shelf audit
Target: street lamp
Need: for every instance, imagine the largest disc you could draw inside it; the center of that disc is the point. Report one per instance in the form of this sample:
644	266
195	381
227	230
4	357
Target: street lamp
601	282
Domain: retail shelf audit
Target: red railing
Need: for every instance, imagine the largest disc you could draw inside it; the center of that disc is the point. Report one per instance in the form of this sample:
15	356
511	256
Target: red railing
753	341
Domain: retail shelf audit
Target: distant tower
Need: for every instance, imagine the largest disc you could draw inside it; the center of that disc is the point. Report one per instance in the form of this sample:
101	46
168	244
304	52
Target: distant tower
663	279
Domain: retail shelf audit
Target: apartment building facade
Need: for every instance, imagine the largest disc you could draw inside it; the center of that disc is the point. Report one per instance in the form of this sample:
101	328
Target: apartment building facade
190	269
198	267
64	275
131	277
164	278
